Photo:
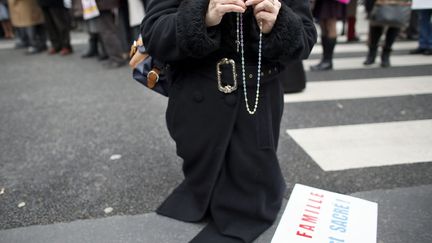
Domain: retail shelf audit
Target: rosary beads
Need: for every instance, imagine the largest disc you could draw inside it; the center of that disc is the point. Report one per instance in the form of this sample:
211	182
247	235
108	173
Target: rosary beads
241	43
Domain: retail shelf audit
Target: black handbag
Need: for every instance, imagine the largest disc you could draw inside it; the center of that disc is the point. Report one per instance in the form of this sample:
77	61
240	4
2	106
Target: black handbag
393	15
147	70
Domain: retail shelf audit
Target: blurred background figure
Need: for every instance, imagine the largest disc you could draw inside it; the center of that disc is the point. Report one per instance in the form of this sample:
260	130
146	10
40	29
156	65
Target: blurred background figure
328	12
28	17
424	11
136	15
411	32
58	25
5	20
95	45
352	19
105	26
377	28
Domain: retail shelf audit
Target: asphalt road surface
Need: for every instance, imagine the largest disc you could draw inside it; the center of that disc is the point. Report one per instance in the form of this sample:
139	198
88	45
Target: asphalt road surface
81	142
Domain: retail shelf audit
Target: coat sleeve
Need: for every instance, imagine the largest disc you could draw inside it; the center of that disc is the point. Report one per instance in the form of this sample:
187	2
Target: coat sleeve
293	34
175	29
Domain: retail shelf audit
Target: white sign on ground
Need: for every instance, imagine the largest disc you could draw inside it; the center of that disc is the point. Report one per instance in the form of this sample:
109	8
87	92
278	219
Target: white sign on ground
317	216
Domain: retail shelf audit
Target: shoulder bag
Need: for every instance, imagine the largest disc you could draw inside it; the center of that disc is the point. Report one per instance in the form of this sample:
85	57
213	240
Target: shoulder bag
147	70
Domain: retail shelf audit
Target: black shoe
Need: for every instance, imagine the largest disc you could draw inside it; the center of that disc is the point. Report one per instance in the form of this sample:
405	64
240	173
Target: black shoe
102	57
385	58
113	64
370	59
418	50
89	54
354	39
427	52
322	66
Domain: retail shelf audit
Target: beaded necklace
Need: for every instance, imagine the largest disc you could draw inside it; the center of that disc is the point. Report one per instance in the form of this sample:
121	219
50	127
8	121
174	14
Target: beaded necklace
240	42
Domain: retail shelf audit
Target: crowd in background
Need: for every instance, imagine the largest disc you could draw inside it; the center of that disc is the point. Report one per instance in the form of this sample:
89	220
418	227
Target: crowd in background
408	23
113	24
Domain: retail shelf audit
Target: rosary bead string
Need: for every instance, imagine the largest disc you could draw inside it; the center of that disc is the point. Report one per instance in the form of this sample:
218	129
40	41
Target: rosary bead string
251	112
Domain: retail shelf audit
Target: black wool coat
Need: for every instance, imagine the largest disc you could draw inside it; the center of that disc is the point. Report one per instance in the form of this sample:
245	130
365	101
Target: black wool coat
229	156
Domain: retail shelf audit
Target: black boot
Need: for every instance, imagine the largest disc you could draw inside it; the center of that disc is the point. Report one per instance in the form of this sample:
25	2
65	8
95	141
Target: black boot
370	59
385	57
327	61
93	50
102	51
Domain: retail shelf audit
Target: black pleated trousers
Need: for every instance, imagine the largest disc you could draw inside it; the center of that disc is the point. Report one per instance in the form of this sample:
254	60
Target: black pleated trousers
58	26
230	165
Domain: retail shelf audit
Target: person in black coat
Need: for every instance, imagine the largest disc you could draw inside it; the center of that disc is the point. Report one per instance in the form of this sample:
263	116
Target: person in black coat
58	26
232	175
376	30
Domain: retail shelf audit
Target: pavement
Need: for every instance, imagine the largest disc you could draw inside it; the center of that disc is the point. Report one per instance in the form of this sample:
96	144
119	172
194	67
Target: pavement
400	212
85	155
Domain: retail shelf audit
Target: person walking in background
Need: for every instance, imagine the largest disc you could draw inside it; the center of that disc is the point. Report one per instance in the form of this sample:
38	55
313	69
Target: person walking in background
352	19
58	25
376	30
104	25
5	20
425	27
328	12
95	45
28	16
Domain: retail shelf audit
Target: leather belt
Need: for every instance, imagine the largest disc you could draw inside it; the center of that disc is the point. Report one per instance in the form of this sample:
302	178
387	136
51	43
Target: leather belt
227	69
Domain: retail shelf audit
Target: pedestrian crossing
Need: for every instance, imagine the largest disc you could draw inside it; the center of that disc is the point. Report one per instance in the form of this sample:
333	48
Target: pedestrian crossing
357	62
378	143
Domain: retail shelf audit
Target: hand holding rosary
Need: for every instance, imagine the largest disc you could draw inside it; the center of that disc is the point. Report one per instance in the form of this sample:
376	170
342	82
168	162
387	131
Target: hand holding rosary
265	12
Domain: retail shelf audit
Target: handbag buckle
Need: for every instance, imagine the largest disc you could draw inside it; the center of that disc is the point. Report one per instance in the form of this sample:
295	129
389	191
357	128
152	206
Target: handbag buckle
152	78
227	88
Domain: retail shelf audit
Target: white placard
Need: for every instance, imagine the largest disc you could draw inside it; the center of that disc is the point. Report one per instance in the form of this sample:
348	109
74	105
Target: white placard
317	216
422	4
90	9
136	12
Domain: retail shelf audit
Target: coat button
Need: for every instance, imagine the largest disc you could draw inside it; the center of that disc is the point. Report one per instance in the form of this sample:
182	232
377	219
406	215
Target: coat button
198	97
230	99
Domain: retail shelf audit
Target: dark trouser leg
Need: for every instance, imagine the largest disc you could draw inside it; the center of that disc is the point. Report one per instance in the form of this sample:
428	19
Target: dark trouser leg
425	24
93	46
391	36
249	192
375	33
202	138
62	21
351	29
108	32
37	38
51	28
23	39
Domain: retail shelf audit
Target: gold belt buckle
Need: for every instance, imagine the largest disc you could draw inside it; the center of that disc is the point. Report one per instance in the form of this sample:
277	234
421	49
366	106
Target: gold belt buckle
227	88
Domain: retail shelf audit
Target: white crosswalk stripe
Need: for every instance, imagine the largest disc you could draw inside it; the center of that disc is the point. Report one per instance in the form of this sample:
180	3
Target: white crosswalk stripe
357	62
362	47
367	145
355	146
363	88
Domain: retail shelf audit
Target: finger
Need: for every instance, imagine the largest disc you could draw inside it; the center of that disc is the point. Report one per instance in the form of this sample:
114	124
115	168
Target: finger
266	6
234	2
228	8
252	2
266	17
